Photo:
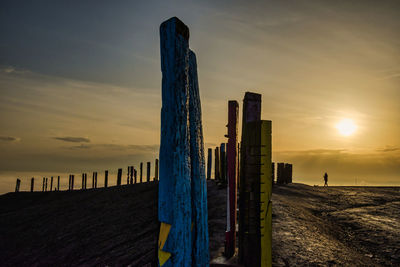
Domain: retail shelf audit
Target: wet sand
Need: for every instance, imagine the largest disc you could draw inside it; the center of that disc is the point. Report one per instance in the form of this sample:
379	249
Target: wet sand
312	226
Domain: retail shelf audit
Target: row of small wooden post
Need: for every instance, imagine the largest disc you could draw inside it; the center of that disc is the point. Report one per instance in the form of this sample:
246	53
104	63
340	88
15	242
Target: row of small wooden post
131	179
284	174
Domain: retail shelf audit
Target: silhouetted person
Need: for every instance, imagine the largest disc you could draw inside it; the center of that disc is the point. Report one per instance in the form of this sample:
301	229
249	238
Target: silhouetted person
326	179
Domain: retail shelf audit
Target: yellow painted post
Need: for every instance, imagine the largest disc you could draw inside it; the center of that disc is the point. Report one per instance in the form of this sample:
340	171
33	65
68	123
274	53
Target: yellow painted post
265	194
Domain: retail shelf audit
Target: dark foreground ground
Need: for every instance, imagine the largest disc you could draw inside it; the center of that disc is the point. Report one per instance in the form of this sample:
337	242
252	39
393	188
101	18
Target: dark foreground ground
312	226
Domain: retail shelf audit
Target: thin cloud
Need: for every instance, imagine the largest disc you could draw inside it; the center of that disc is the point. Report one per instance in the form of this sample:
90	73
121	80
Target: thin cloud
388	149
73	139
9	139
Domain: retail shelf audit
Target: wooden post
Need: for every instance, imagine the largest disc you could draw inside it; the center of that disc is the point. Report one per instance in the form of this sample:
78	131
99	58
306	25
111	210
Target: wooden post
83	181
141	171
209	163
105	179
58	183
45	188
51	183
135	175
280	174
17	185
273	172
174	201
119	177
222	160
127	174
148	172
43	184
32	183
256	197
216	165
95	180
200	250
131	175
156	170
251	112
230	236
72	181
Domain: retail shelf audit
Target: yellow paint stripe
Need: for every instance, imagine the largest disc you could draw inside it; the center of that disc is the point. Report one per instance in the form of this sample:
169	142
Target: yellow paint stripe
163	256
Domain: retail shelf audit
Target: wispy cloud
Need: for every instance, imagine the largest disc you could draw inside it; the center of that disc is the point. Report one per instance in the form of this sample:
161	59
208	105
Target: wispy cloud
388	149
73	139
9	139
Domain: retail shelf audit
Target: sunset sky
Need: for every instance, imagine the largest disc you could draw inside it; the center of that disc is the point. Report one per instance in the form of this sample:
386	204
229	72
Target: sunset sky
80	83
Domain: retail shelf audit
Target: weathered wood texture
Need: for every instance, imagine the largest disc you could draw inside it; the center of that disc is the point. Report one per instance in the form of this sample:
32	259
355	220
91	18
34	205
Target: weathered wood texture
251	112
174	206
200	253
256	222
230	245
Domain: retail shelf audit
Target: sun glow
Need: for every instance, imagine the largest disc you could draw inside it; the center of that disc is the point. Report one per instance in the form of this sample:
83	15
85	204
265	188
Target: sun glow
346	127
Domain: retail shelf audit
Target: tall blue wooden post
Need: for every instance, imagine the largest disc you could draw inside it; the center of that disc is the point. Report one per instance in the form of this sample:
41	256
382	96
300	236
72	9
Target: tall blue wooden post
200	248
174	201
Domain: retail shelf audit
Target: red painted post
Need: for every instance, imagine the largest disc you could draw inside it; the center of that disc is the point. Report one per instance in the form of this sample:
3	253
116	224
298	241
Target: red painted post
232	155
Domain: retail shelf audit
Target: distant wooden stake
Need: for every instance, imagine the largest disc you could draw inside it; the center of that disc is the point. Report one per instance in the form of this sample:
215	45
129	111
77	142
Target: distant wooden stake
51	184
45	188
156	170
131	175
209	163
72	181
216	165
135	175
58	183
32	183
105	179
148	172
141	171
119	177
43	184
127	174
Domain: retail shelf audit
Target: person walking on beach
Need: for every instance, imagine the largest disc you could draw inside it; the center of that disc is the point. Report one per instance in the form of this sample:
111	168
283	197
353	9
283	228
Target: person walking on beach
326	179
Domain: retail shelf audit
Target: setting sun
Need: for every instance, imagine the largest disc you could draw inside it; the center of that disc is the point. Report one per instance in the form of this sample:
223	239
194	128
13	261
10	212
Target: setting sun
346	127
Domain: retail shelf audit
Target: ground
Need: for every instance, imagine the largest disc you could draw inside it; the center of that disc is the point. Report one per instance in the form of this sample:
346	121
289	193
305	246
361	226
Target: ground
117	226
